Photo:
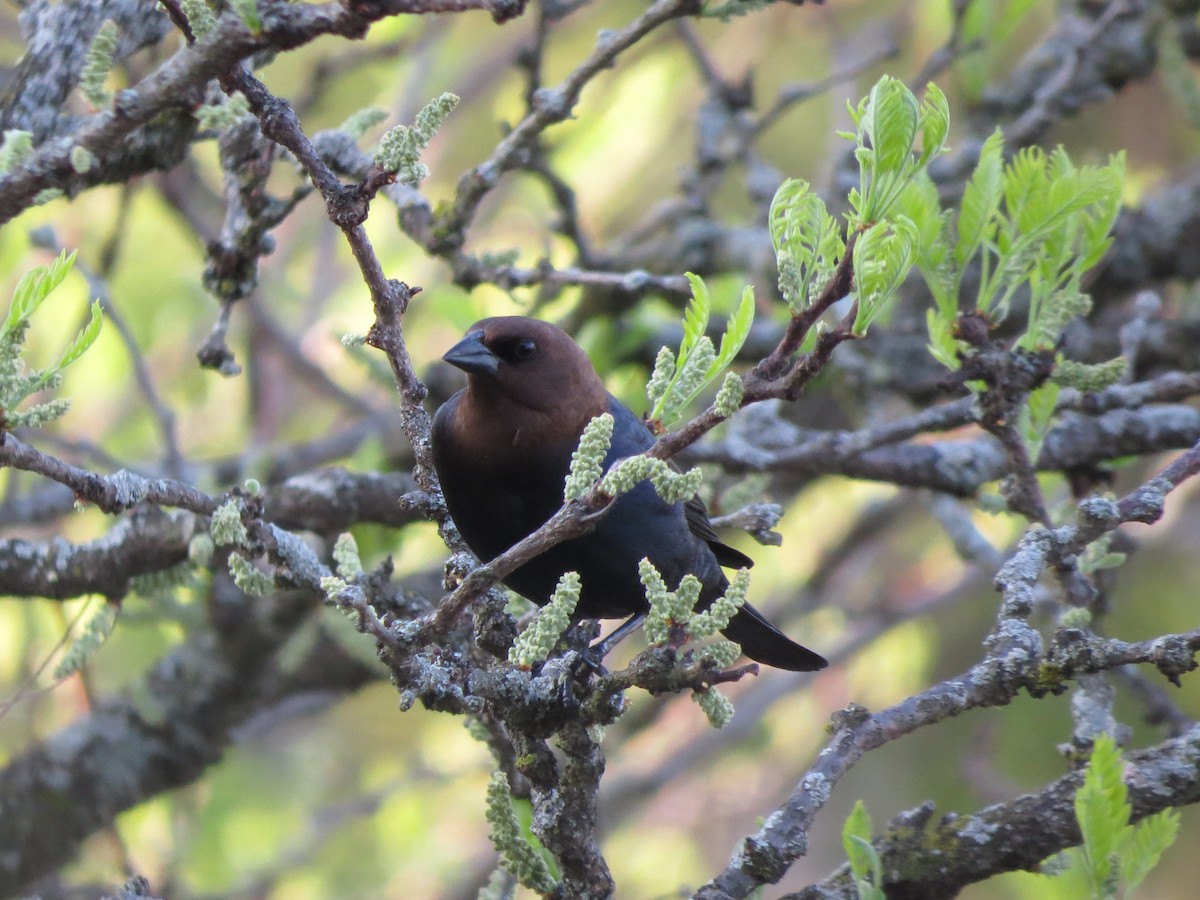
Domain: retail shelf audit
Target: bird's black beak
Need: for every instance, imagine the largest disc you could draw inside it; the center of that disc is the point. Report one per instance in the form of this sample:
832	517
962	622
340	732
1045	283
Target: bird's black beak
472	356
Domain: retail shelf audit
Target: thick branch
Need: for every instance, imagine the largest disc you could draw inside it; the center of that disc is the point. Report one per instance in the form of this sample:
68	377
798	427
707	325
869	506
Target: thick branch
926	858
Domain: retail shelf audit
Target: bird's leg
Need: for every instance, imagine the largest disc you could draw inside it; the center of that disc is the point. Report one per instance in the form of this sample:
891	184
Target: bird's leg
594	655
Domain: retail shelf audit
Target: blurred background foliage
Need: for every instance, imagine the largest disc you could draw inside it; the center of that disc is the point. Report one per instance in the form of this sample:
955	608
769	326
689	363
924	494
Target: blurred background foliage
347	796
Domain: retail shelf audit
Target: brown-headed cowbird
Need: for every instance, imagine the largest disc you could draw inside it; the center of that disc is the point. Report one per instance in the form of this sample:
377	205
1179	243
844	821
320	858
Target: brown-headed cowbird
502	448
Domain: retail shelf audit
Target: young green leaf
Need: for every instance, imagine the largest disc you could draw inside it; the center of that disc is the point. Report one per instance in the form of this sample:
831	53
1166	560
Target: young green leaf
1042	403
883	257
807	242
86	337
1037	415
1098	224
886	124
935	123
677	381
790	213
695	317
247	10
1102	809
34	287
857	825
737	329
943	346
1144	846
920	204
891	123
864	860
981	199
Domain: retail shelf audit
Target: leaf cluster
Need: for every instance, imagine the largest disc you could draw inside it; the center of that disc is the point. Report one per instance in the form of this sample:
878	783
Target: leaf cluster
518	853
895	137
677	380
674	613
400	149
95	635
535	643
587	462
807	240
16	383
1035	224
97	63
887	125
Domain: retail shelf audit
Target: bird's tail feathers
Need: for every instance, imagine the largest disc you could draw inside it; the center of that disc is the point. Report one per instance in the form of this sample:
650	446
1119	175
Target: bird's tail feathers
764	643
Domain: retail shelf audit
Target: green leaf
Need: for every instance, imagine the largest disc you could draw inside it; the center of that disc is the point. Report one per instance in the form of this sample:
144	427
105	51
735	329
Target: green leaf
1098	225
523	807
737	329
790	208
1102	809
887	123
935	123
867	887
891	123
1109	561
1042	404
883	257
677	381
1024	178
1054	227
864	859
943	346
921	205
86	337
1144	846
807	241
34	287
1035	418
857	825
981	199
695	318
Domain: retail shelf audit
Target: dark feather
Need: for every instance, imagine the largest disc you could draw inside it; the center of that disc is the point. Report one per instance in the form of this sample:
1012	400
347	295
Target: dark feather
698	522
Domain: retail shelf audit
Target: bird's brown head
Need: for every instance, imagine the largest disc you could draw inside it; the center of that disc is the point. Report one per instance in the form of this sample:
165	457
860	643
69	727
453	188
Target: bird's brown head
530	364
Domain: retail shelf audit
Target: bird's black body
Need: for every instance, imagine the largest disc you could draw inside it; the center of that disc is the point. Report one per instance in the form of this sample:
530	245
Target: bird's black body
502	448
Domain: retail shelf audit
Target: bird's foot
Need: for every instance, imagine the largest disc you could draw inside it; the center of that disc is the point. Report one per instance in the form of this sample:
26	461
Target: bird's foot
591	661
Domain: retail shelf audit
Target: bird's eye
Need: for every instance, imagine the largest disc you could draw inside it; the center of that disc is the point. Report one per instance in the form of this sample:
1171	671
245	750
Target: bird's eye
524	349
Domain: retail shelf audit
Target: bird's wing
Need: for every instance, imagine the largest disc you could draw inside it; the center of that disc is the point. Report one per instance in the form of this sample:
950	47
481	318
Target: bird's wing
630	436
701	527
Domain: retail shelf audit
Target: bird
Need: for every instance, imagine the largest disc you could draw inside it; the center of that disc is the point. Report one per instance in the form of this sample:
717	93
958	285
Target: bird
502	449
